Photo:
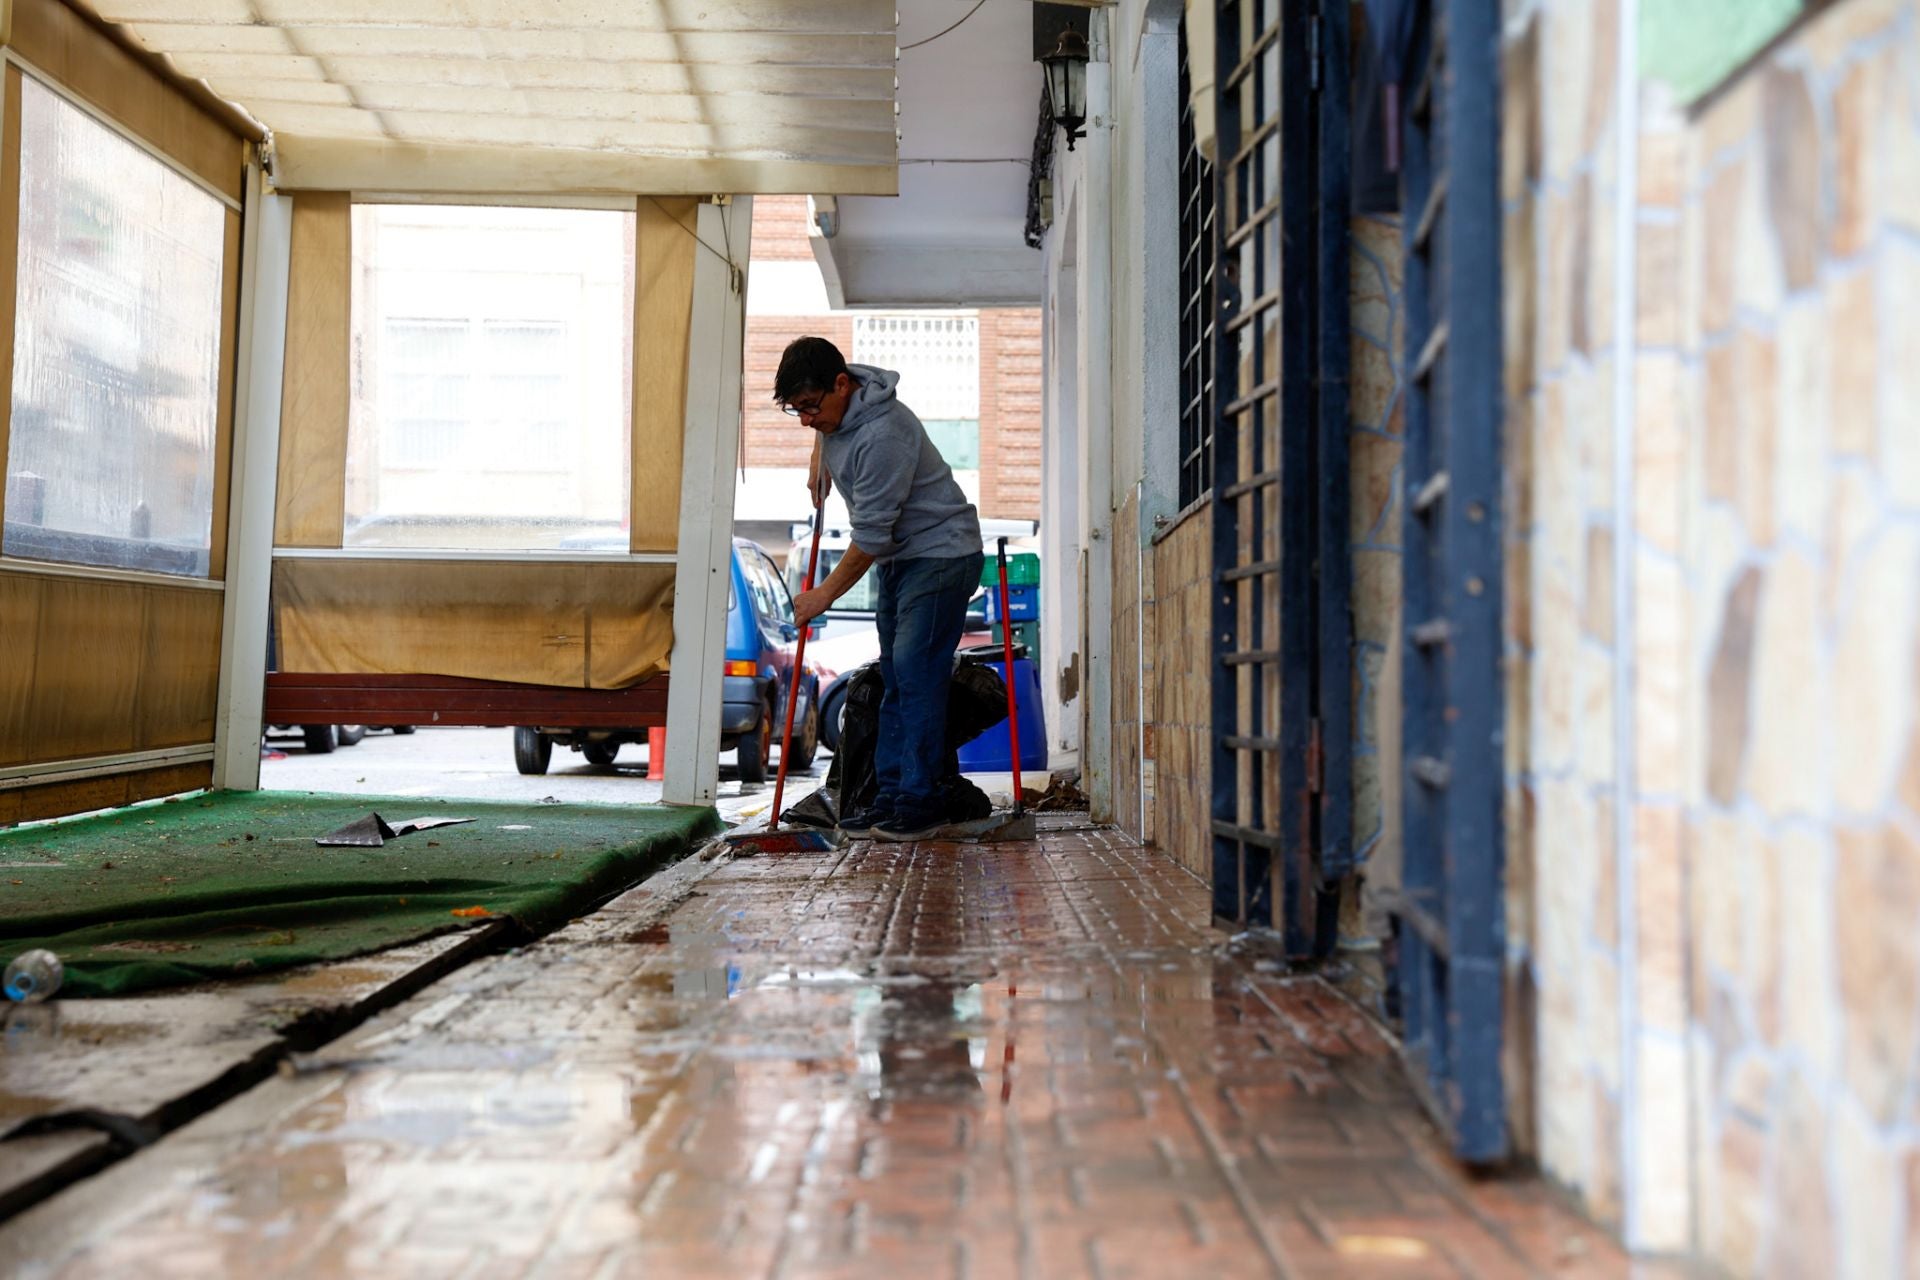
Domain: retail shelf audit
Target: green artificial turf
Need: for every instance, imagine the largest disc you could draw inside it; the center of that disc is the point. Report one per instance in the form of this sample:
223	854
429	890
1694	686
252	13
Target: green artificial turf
231	883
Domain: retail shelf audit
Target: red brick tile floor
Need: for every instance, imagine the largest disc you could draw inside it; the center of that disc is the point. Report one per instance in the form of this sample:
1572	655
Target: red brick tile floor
1030	1060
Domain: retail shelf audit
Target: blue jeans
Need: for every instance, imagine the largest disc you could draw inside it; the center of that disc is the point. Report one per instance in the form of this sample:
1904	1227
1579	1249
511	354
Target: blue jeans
921	612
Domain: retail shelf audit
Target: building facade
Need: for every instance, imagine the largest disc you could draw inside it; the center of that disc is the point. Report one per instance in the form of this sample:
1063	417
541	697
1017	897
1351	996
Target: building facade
972	374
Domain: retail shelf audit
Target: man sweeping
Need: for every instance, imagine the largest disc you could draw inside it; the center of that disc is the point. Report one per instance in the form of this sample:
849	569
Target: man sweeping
915	528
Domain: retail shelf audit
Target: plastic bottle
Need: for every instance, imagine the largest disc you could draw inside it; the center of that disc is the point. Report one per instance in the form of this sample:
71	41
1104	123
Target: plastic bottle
34	976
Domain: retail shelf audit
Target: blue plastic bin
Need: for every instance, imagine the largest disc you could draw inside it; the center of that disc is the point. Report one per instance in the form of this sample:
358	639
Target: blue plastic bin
991	752
1022	602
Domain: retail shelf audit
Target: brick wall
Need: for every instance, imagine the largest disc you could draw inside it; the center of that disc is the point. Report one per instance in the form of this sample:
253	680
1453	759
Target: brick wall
1010	399
1010	377
772	438
780	229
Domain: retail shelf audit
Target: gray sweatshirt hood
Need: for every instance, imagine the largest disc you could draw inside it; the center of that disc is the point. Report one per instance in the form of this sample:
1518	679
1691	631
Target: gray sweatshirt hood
874	398
901	496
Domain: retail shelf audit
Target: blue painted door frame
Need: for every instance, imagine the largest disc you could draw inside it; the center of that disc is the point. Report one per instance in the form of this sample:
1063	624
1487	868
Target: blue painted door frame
1450	927
1282	617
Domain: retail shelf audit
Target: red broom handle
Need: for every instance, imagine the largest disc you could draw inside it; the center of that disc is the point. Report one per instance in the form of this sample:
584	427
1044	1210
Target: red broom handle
799	672
1013	710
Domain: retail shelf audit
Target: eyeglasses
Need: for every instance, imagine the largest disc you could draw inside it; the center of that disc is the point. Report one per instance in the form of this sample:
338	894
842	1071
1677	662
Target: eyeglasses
798	410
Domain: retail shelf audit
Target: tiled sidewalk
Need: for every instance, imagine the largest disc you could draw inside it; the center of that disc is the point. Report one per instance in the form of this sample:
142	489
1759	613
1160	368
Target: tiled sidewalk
1018	1060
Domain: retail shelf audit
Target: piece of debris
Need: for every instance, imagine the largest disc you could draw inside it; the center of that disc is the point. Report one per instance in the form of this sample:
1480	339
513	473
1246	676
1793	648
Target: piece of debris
373	831
473	913
1062	795
412	825
369	832
549	800
33	977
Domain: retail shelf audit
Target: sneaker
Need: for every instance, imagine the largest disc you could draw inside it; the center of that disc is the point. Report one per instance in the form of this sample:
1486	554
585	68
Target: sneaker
860	826
903	828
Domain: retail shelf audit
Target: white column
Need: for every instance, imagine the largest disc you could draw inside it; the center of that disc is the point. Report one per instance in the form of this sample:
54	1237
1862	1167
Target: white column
266	241
1096	404
1060	532
1159	268
703	565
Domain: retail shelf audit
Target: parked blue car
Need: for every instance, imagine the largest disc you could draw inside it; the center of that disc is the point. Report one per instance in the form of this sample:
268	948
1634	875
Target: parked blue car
753	686
753	691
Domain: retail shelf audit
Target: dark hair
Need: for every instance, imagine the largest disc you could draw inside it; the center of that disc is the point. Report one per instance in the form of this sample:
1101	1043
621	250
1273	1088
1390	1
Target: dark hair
808	364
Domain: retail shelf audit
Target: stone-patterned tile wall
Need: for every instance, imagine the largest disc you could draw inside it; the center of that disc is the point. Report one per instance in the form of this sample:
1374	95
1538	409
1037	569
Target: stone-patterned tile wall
1795	401
1761	994
1379	491
1132	697
1178	620
1565	1042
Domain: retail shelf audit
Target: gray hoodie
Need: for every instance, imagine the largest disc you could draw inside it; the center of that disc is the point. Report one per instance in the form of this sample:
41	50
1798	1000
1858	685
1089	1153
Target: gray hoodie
900	493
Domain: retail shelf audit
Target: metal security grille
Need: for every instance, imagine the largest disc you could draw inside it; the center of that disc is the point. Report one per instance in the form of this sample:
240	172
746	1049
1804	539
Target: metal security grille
1281	616
1450	917
936	356
1197	309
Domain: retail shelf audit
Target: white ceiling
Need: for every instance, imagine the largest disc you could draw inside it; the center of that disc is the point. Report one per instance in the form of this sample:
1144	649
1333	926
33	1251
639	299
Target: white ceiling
954	236
660	96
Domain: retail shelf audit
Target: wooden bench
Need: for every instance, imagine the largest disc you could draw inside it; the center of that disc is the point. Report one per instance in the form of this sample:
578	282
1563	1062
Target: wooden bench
303	698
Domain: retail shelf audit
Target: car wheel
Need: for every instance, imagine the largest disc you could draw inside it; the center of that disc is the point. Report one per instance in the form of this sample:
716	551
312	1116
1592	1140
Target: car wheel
532	750
806	739
830	713
350	734
320	738
600	753
402	728
754	750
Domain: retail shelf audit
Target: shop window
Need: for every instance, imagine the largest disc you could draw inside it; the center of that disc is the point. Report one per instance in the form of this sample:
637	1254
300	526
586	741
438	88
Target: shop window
492	386
116	354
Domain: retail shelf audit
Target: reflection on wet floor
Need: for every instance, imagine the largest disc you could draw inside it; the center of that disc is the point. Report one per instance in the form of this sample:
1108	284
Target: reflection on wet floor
1033	1060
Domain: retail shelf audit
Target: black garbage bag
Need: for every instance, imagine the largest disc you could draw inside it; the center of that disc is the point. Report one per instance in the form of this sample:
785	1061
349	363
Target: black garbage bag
976	701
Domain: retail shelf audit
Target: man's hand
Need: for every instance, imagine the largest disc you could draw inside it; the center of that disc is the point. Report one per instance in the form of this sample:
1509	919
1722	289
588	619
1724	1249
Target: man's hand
819	483
809	605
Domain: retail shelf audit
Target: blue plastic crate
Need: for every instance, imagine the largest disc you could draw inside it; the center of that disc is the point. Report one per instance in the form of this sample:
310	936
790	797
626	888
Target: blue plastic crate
1022	602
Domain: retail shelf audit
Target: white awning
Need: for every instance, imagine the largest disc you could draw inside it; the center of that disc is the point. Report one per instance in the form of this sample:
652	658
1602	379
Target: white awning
548	96
955	236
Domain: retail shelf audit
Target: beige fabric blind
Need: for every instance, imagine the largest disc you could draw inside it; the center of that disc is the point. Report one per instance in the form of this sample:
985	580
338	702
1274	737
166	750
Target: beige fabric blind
592	626
600	626
663	258
310	504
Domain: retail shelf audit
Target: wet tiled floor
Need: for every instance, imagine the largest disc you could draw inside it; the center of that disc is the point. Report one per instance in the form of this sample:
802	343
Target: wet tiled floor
1027	1060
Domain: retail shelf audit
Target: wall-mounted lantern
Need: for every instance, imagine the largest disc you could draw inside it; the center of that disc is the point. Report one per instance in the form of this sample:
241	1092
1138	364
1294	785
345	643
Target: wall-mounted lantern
1066	69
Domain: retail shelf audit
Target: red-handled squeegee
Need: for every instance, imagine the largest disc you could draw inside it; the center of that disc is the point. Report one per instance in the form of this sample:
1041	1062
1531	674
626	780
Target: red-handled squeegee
1013	703
772	839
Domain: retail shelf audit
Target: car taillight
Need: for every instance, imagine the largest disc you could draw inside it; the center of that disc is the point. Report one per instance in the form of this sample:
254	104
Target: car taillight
742	669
